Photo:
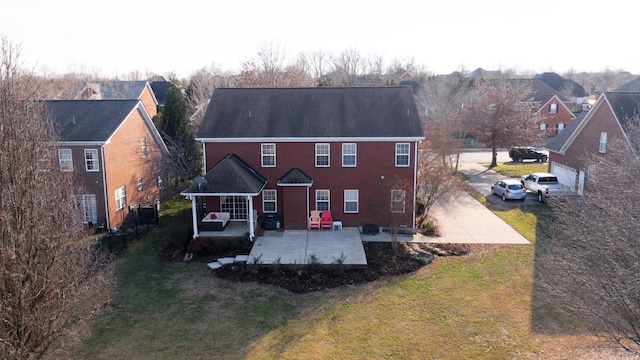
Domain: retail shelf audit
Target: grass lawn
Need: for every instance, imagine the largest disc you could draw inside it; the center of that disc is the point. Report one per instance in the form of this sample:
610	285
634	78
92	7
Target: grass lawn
473	307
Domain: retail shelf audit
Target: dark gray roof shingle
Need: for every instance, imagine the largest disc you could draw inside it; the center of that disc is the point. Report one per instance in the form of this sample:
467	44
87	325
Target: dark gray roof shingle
231	175
88	120
311	112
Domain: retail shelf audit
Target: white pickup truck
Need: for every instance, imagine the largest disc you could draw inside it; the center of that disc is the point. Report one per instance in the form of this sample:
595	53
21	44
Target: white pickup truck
545	185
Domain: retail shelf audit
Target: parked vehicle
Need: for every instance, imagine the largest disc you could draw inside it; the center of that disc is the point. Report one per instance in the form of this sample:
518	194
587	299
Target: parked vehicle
521	153
545	185
509	189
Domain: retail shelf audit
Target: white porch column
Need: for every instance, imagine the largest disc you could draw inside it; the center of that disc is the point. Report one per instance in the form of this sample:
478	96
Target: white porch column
194	216
251	227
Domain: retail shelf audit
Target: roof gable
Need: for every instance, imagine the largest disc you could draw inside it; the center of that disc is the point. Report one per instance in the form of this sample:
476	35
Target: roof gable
345	112
230	176
113	90
633	85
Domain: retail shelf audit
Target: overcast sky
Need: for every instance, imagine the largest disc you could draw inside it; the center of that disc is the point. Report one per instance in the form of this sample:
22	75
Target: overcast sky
119	36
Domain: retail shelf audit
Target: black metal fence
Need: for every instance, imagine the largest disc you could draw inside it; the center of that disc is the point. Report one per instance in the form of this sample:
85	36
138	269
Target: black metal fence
139	222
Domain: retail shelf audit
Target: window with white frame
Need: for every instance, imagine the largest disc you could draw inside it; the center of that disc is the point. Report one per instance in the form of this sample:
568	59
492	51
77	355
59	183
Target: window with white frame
269	201
603	142
543	126
402	154
87	206
351	201
143	145
322	200
66	160
553	108
322	155
268	153
349	155
591	173
121	198
398	201
560	127
91	160
139	183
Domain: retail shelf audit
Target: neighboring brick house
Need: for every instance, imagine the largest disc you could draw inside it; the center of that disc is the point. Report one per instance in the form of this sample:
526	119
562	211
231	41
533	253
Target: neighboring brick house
287	151
579	99
589	134
121	90
551	105
115	153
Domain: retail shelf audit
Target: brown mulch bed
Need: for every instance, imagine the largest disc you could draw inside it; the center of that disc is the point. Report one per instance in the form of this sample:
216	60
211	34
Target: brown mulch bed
382	263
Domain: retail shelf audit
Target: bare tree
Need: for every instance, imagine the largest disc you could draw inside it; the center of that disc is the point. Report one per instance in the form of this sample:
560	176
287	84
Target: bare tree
269	70
202	83
51	279
588	265
503	114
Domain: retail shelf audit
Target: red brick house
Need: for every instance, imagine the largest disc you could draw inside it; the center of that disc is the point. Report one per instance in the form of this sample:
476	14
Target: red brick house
115	153
588	134
552	106
284	152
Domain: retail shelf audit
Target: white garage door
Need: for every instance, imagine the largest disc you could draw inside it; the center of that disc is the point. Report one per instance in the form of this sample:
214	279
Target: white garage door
565	174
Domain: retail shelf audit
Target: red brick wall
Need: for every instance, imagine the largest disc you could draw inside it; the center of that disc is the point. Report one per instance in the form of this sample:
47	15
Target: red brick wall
375	169
563	116
125	164
88	183
148	102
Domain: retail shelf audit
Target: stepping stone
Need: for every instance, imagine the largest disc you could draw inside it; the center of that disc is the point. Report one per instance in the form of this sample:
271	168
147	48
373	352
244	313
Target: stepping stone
214	265
241	258
226	260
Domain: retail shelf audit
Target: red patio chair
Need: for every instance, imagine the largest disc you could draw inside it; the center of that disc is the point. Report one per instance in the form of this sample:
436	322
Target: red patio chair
326	221
314	220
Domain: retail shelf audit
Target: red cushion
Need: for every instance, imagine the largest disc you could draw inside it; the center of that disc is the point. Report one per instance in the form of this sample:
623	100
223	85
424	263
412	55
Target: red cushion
214	216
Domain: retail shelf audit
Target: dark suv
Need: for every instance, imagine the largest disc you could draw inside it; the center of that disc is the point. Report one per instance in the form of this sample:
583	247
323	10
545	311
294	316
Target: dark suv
520	153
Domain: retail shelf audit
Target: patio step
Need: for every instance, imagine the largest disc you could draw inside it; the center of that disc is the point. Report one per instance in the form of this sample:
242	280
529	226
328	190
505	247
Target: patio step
227	260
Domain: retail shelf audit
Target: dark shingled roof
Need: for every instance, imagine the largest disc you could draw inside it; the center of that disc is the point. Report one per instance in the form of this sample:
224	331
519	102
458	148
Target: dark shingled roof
88	120
559	83
295	176
119	90
344	112
633	85
160	89
558	142
541	92
231	175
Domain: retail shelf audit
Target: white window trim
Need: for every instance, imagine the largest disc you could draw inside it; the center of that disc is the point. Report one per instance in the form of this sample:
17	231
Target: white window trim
553	108
273	201
328	154
355	154
394	201
328	201
66	163
121	197
93	160
88	206
603	143
355	200
408	155
263	154
140	184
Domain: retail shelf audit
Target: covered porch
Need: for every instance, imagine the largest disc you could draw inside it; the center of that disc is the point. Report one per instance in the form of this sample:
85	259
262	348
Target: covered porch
230	187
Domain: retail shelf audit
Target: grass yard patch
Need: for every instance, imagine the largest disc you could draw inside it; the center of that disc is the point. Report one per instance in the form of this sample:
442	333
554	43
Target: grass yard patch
514	169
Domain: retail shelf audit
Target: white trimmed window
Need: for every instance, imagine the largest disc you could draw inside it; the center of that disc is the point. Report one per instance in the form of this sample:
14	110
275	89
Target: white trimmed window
560	127
543	126
143	145
349	155
91	160
140	184
553	108
603	142
121	198
402	154
322	155
268	153
87	205
322	200
397	201
351	201
66	160
269	201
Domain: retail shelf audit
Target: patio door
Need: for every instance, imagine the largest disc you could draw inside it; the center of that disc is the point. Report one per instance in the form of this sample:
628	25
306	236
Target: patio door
235	205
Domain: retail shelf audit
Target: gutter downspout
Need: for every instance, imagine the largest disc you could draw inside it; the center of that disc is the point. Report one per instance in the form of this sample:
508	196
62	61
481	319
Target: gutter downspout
415	182
104	189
